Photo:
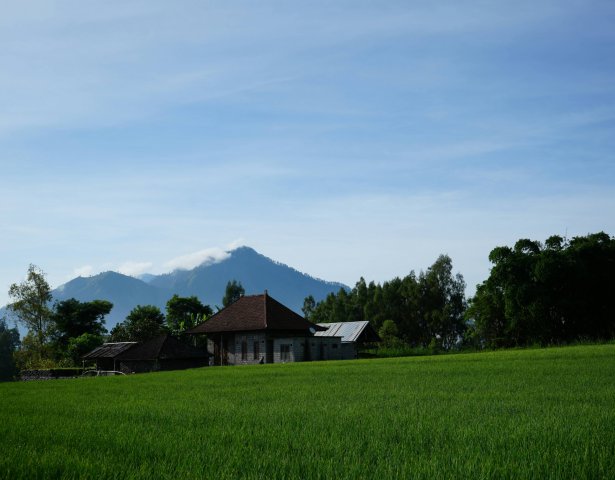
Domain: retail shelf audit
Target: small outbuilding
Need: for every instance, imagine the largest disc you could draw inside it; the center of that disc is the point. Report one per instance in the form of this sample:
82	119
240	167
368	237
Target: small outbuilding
163	352
354	335
105	356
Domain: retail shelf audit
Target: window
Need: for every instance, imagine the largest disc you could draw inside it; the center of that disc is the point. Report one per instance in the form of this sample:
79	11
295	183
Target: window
285	353
244	348
256	352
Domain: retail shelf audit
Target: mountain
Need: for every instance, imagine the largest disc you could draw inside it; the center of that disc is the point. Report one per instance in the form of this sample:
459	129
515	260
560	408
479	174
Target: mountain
256	273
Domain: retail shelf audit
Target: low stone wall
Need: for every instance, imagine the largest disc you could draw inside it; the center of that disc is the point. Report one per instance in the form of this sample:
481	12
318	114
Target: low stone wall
53	374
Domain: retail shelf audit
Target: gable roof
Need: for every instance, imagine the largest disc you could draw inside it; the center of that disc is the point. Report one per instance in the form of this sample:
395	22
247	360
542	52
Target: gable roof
350	331
109	350
255	312
162	347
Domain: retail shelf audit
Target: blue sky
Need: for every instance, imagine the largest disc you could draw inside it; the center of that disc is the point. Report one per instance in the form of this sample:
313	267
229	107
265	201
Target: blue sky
345	139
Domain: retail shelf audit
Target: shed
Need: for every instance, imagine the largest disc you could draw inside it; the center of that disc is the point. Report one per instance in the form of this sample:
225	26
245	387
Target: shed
163	352
105	356
354	335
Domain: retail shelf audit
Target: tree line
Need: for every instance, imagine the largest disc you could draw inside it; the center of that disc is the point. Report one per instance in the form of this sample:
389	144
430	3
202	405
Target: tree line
555	292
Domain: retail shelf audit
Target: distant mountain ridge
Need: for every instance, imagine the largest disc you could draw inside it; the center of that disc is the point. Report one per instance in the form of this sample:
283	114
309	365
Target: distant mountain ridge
255	271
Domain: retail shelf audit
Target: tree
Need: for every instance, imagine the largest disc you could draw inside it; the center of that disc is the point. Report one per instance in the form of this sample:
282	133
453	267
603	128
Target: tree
119	333
441	303
30	304
389	334
234	290
186	312
141	324
308	306
72	318
9	342
79	346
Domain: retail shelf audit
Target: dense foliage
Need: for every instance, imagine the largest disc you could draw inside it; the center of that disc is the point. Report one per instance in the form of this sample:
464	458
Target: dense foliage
420	310
142	323
186	312
528	414
9	342
78	326
547	293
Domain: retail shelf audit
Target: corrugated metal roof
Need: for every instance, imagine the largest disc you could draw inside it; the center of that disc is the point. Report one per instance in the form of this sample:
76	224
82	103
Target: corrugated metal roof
349	331
109	350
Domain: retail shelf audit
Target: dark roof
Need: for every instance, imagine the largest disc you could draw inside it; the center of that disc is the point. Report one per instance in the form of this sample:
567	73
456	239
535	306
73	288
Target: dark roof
109	350
255	312
162	347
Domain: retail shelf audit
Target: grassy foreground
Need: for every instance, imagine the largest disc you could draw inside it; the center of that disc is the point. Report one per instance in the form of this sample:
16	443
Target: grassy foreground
511	414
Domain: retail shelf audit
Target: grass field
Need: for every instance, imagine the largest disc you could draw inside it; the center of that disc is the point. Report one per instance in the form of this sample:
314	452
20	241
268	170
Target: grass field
509	414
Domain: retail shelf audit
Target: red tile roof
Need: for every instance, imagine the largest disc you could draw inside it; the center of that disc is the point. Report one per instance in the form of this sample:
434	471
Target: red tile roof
255	312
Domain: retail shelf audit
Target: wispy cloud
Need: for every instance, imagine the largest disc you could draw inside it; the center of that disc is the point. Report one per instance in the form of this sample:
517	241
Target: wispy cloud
191	260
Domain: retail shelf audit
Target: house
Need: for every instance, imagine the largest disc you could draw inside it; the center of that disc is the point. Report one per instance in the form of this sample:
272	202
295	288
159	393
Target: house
163	352
105	356
259	329
354	335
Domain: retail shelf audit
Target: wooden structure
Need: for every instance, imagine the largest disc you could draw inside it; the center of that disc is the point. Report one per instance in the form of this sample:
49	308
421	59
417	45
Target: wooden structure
105	356
259	329
163	352
354	335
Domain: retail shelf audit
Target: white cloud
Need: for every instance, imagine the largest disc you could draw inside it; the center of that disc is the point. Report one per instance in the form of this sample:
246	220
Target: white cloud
134	268
207	256
239	242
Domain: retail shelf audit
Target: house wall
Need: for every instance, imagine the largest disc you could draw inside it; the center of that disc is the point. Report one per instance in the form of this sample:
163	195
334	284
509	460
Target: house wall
325	348
138	366
285	349
349	351
235	353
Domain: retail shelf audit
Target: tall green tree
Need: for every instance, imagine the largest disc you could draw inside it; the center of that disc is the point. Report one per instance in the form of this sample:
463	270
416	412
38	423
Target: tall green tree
186	312
9	343
441	304
72	318
142	323
30	304
234	290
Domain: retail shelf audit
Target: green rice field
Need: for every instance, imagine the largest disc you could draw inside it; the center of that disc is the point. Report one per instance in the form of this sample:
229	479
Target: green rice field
544	413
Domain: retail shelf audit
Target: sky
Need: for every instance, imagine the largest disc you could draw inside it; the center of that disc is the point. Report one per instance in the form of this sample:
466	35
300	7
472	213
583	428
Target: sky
343	138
